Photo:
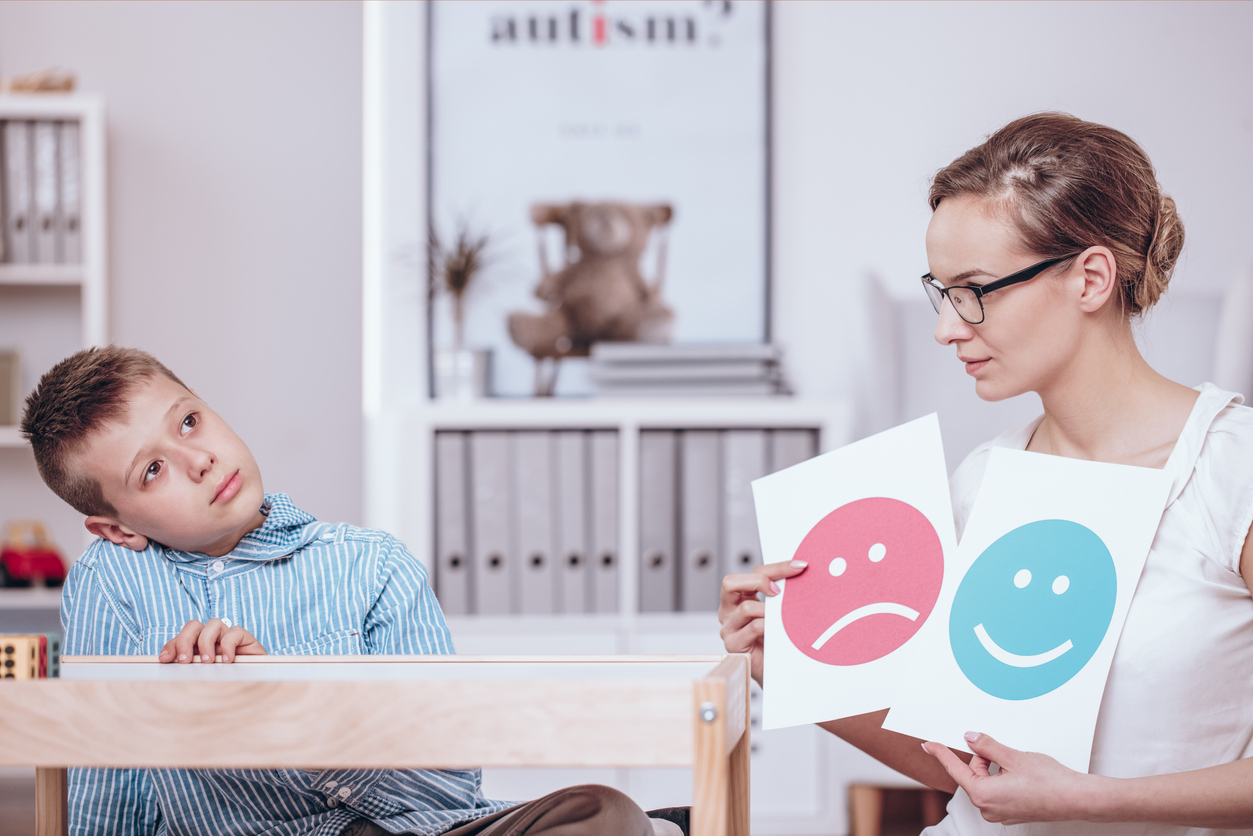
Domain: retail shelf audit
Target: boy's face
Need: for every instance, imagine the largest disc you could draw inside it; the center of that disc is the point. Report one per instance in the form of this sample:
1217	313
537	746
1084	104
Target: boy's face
175	472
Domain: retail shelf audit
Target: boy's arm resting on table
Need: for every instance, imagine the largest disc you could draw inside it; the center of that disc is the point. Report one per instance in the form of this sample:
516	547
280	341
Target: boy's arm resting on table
405	618
103	802
742	616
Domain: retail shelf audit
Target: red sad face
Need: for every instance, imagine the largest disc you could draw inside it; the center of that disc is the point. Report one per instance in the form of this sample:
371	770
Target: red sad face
875	569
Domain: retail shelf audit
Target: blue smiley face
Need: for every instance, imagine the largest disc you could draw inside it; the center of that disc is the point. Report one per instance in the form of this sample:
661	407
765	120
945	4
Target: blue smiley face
1033	609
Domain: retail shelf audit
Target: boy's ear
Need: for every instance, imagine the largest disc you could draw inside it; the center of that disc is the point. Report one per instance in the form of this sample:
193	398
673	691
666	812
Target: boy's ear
115	532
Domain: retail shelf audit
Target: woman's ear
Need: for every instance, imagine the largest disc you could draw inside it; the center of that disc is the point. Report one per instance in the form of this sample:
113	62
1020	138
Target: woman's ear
1100	278
115	532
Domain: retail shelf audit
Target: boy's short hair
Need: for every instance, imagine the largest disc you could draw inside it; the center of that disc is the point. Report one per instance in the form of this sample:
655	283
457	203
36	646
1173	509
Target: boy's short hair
73	399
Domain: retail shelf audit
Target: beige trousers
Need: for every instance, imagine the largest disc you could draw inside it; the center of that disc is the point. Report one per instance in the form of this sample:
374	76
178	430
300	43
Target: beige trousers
588	810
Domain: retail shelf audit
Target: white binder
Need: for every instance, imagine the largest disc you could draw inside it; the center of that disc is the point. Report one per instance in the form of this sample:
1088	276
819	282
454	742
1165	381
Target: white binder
792	446
452	530
71	194
47	193
603	478
573	578
491	535
658	482
700	572
743	460
533	501
18	200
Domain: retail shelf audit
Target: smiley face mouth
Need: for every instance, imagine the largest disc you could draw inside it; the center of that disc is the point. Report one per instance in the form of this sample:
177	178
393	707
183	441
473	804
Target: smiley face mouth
884	608
1002	655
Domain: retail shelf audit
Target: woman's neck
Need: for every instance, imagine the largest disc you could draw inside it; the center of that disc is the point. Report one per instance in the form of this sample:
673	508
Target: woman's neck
1117	410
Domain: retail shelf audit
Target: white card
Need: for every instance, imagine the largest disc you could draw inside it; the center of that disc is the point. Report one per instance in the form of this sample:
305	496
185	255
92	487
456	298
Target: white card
1048	563
875	523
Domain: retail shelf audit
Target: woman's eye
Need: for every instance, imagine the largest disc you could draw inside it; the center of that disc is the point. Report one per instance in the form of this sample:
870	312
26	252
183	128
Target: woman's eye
151	472
190	421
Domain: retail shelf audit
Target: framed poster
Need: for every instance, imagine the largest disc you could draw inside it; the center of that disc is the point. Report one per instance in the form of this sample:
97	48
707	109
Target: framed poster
654	114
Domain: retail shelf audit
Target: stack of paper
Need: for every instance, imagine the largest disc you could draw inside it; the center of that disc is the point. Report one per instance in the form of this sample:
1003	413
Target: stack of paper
647	370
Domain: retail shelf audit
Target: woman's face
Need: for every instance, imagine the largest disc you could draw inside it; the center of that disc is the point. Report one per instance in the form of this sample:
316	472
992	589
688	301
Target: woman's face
1029	333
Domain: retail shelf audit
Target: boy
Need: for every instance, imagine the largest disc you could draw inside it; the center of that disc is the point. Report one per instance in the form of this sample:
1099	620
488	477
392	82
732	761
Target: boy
193	557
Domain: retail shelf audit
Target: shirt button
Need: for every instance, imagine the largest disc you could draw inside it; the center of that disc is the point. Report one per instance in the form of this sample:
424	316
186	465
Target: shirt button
332	802
344	792
330	785
228	622
218	566
330	535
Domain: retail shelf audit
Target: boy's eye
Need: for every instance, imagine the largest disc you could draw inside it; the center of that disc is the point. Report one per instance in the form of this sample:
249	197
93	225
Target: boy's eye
189	421
151	472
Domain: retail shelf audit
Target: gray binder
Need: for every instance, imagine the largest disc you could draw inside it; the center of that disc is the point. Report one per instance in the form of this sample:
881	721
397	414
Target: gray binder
604	559
71	194
533	500
574	585
19	245
789	447
47	193
491	535
658	478
700	572
452	528
743	460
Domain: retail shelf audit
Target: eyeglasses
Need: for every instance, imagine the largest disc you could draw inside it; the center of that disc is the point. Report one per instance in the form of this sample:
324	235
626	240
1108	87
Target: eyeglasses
967	300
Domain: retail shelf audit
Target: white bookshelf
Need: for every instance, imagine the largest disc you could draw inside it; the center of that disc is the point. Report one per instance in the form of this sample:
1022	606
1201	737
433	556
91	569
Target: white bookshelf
48	311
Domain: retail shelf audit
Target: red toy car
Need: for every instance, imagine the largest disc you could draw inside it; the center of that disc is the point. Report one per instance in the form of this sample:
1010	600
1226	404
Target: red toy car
28	556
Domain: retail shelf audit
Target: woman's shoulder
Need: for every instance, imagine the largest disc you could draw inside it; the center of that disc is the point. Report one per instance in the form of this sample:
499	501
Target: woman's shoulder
964	483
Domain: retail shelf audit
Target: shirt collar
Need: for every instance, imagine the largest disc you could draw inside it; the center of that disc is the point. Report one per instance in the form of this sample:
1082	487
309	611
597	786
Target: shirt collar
286	529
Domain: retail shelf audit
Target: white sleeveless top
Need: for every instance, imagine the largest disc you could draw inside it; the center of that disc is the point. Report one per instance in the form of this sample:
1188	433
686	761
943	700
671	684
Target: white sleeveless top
1180	690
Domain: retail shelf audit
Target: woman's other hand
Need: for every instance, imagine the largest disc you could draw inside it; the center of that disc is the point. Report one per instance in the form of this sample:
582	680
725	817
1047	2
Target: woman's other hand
1030	787
742	614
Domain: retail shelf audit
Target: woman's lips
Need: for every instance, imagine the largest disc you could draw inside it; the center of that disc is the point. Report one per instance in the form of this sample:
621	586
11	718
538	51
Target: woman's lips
228	488
973	366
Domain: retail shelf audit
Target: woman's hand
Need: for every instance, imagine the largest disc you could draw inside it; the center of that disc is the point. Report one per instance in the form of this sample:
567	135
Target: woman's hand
743	616
210	641
1030	787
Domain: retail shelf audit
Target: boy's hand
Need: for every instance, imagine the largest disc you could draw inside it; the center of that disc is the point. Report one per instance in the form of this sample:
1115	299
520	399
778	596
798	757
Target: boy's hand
209	641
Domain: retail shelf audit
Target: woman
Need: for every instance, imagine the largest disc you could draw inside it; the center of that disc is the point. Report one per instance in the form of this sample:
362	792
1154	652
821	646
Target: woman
1045	242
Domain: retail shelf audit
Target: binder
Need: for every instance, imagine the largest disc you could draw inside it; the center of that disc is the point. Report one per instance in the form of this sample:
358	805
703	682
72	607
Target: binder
743	460
46	192
18	241
71	194
573	578
452	529
700	572
491	514
658	478
603	482
789	447
533	501
10	390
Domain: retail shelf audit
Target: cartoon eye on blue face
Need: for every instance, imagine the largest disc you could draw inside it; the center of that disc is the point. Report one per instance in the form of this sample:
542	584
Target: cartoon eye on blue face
1033	609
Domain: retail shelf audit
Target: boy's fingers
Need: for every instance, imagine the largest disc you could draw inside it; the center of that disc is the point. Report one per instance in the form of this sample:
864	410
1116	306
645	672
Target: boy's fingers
207	643
167	652
185	641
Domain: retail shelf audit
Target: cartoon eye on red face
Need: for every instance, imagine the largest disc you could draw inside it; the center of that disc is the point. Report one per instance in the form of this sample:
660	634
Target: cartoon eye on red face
875	570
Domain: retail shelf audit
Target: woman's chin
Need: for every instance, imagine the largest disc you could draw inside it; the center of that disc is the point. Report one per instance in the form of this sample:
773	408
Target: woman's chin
992	390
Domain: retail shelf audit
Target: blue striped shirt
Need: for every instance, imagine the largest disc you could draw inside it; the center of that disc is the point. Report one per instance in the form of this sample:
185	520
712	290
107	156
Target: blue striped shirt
301	587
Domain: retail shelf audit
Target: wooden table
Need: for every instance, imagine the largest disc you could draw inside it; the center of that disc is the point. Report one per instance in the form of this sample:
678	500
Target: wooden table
321	712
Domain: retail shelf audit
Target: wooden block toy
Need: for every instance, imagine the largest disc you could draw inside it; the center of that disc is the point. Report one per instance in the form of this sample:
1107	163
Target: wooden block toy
23	657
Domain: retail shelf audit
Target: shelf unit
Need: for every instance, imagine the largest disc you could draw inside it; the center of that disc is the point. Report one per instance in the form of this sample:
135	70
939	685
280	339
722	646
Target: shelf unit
48	311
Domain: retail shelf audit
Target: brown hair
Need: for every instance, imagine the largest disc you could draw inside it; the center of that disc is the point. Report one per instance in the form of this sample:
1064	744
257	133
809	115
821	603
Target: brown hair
1067	185
73	399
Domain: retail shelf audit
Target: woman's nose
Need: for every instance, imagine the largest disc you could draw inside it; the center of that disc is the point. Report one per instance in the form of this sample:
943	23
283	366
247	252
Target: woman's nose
949	327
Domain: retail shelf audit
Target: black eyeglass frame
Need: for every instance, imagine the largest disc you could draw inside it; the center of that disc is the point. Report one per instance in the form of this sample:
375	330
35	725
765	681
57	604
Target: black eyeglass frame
930	282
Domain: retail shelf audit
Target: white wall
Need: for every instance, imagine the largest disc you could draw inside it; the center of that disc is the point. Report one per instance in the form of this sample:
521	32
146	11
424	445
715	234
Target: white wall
872	98
234	144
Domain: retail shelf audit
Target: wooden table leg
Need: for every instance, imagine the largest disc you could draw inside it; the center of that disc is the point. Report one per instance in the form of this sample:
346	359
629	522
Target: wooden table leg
51	816
865	803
